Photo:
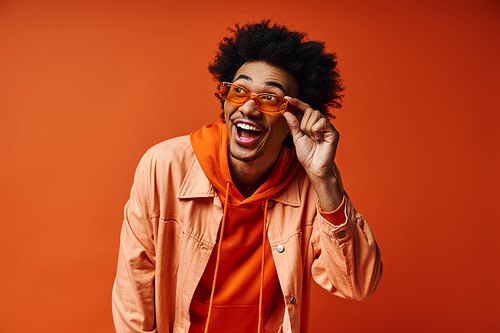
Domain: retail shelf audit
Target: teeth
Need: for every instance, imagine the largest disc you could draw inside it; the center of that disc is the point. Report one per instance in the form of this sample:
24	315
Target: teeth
247	127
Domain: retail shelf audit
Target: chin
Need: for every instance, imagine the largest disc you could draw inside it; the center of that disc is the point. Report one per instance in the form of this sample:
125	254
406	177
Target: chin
240	156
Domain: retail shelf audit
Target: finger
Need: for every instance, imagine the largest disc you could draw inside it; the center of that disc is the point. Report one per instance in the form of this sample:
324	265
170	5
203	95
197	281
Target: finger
297	103
293	123
314	124
308	120
318	128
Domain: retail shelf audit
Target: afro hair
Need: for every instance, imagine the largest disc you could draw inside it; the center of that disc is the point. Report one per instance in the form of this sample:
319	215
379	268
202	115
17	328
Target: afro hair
315	70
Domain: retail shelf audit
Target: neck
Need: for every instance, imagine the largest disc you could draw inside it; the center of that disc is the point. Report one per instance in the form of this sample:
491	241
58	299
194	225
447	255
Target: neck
249	176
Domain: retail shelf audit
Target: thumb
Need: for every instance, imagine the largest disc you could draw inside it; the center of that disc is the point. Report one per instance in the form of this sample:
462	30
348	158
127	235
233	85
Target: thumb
293	123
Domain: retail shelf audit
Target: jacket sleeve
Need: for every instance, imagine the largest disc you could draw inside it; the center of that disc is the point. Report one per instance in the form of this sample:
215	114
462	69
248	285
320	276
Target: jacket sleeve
133	296
347	259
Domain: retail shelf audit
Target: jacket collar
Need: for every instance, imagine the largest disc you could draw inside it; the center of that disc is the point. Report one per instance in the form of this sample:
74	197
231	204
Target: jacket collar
196	185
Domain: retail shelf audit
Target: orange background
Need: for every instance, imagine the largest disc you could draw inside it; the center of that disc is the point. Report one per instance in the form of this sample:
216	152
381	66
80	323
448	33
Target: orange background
87	86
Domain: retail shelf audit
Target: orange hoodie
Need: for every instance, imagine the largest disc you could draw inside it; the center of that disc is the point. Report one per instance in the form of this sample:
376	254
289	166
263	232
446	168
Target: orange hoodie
240	283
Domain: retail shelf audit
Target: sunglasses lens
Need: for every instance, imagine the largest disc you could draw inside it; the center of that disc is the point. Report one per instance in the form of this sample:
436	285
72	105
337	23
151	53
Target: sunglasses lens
232	93
269	103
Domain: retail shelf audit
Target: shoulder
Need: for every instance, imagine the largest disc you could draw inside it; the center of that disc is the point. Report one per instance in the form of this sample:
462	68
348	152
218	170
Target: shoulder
173	151
166	161
163	169
178	145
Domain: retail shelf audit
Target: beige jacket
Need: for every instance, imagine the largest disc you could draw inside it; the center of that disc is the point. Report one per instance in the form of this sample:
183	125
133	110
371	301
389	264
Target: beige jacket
170	229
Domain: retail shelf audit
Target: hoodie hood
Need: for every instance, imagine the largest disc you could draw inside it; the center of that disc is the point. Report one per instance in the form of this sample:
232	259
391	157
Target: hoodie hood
210	147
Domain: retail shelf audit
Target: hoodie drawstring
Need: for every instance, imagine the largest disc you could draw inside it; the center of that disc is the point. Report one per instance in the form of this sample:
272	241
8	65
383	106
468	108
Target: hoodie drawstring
228	183
264	237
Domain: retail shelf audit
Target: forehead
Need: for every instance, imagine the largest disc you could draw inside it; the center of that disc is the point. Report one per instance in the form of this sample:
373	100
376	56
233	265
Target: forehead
260	73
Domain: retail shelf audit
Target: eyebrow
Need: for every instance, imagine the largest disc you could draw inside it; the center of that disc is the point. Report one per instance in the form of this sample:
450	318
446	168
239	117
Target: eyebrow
270	83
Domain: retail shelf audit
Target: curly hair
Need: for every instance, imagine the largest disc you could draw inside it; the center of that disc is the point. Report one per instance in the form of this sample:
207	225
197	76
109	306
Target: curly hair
315	70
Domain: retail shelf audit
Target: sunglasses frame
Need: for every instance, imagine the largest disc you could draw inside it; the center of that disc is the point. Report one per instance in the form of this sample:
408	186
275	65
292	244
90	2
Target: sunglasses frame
255	97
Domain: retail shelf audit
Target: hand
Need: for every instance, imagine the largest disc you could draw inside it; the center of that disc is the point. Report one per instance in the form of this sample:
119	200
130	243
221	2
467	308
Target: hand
316	140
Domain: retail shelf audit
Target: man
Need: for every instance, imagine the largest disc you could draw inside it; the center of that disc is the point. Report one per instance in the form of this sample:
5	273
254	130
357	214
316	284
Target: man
225	228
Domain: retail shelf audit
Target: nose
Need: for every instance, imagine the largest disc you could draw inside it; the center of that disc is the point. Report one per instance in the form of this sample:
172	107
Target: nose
249	109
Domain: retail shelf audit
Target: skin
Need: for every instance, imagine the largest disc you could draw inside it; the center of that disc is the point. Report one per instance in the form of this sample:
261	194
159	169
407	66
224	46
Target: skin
314	137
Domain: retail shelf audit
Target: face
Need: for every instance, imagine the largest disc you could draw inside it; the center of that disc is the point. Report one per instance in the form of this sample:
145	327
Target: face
253	134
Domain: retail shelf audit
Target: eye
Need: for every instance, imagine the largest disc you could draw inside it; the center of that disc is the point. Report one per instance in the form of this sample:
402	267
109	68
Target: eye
238	91
270	99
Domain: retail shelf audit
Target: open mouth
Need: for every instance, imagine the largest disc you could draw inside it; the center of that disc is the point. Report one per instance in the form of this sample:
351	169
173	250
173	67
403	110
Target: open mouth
246	134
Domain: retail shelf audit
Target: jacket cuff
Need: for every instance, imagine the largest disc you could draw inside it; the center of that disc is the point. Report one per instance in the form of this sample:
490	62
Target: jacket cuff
337	217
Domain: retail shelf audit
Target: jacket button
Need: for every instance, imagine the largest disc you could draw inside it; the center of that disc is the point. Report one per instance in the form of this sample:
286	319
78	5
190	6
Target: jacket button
293	300
341	234
280	248
270	204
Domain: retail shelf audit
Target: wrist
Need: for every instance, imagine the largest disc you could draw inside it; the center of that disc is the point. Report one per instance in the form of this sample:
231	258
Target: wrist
328	191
